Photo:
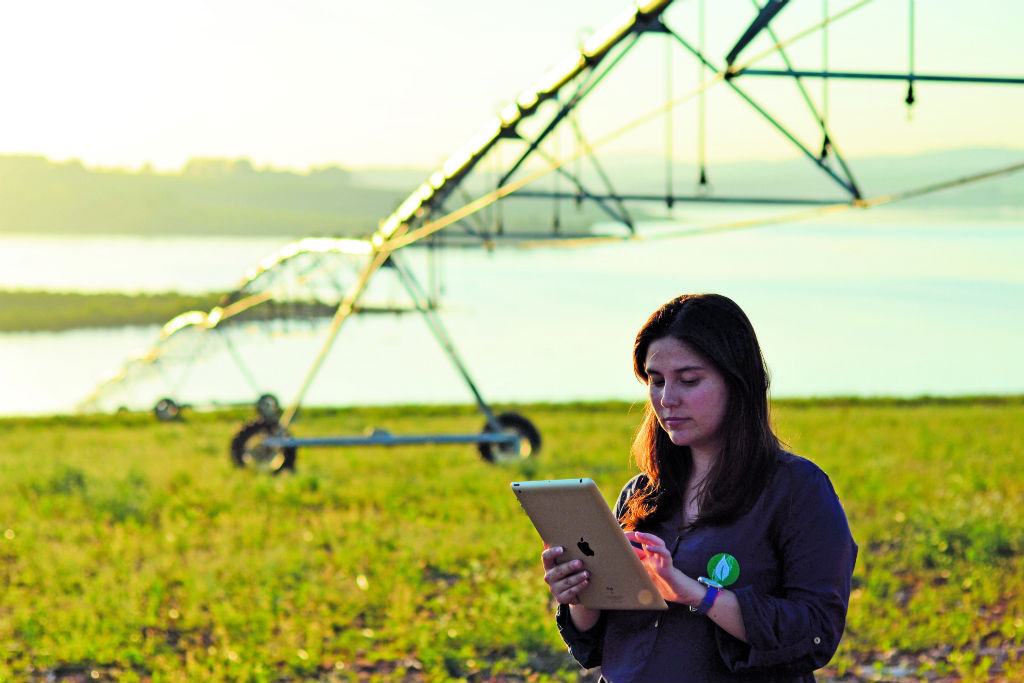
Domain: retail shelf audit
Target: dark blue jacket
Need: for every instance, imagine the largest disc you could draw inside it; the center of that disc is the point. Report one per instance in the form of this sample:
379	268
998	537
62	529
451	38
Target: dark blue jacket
796	559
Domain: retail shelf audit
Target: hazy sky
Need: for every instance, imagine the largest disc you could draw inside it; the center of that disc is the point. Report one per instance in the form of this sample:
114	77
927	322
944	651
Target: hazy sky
312	82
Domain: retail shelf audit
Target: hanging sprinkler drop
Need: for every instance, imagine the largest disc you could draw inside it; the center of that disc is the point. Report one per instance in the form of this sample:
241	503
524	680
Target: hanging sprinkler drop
910	80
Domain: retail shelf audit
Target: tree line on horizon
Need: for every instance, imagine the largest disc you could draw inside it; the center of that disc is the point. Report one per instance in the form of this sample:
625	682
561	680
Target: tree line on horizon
208	196
212	196
217	196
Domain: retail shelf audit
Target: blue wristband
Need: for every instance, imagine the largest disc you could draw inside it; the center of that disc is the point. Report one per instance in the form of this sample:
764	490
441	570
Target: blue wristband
714	589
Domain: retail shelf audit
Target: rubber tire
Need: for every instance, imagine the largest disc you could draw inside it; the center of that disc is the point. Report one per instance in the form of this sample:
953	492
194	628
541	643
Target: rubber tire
242	450
529	440
167	410
268	407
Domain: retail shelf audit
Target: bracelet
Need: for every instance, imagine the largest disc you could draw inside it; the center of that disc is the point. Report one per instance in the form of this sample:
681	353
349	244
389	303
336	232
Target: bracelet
714	588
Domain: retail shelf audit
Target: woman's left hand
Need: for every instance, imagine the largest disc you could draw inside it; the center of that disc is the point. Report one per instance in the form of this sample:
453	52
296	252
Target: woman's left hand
674	585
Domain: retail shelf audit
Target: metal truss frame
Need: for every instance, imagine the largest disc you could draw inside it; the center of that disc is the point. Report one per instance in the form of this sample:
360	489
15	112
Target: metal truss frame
425	213
426	216
575	86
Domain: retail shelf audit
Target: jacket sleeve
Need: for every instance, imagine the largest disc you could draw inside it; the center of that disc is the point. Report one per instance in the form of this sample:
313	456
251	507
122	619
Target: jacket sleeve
797	629
587	647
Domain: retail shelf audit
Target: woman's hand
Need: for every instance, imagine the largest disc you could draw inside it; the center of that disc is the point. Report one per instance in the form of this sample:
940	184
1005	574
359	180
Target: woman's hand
566	580
674	585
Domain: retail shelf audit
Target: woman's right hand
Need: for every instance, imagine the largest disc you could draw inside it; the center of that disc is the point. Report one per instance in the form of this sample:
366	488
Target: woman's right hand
566	580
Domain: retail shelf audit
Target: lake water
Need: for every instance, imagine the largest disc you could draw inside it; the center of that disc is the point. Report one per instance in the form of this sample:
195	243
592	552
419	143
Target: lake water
878	303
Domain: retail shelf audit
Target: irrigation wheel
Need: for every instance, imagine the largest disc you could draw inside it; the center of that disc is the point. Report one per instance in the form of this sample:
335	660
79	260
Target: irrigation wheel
167	410
268	407
511	423
249	448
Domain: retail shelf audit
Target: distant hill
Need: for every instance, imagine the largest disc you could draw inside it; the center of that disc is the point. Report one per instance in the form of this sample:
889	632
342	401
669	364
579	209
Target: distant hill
222	197
208	196
231	197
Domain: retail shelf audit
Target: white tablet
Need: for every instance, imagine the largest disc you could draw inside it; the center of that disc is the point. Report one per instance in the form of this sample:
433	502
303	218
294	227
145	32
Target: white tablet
573	514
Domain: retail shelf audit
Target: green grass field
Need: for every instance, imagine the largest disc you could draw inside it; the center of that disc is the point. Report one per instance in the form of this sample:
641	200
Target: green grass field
132	550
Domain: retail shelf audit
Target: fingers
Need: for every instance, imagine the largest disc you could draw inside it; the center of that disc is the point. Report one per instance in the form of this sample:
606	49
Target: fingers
566	580
560	572
645	538
648	542
567	589
648	546
550	556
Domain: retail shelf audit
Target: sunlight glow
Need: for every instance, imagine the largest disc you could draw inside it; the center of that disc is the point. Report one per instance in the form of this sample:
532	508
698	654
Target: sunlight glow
559	75
320	245
182	321
606	36
117	83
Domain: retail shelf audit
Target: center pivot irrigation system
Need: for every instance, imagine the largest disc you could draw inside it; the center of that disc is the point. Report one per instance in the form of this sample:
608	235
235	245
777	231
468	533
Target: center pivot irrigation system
521	154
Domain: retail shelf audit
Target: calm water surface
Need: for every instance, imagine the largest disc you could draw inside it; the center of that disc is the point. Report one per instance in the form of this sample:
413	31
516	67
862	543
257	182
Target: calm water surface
893	304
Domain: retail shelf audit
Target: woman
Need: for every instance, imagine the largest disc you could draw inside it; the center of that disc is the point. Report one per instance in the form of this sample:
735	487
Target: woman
747	543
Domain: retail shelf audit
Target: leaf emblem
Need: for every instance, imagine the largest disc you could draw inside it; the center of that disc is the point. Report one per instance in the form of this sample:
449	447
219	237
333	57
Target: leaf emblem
722	569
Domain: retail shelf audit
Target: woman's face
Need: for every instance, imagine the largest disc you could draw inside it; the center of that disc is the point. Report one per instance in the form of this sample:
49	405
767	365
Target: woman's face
688	394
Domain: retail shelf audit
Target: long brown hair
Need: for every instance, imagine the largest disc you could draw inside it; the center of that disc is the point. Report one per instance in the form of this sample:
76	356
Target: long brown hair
716	328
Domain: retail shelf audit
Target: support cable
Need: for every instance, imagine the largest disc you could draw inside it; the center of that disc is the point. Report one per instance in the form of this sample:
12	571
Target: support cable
249	378
186	371
434	270
441	335
556	141
804	214
910	81
573	116
250	301
702	180
734	70
668	124
883	76
846	184
574	124
825	142
591	80
582	147
822	117
373	263
498	212
478	221
559	168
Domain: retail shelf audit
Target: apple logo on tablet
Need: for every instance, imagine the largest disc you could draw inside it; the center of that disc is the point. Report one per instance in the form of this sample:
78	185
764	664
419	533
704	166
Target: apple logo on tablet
585	548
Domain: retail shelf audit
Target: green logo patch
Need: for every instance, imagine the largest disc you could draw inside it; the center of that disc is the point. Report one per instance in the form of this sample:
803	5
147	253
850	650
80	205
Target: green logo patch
724	569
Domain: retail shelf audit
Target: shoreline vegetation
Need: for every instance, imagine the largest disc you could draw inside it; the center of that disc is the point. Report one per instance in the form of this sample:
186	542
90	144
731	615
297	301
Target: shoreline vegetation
416	563
23	310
